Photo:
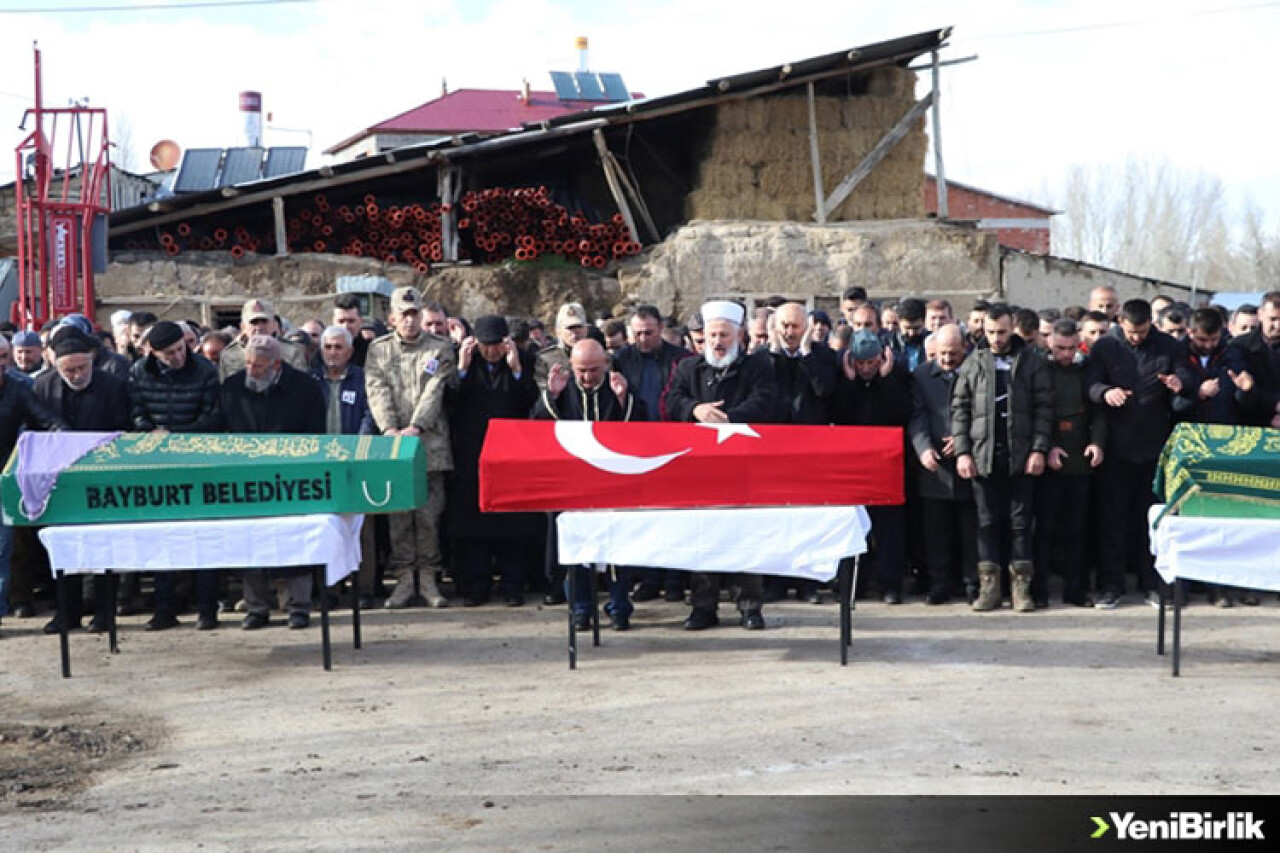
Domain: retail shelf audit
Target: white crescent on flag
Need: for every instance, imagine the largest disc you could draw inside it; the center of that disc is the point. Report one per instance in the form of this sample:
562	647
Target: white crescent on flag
578	438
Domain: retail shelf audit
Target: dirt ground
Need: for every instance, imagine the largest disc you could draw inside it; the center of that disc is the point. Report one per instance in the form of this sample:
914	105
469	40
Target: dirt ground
464	729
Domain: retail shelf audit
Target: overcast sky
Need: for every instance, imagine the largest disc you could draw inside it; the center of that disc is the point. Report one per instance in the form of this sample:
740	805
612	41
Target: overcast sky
1056	83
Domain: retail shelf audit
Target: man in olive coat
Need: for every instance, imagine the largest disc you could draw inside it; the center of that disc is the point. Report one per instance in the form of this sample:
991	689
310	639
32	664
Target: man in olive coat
1001	420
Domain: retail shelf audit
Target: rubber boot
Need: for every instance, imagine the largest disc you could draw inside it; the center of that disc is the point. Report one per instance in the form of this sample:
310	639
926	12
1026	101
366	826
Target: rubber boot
404	591
1020	574
989	587
431	590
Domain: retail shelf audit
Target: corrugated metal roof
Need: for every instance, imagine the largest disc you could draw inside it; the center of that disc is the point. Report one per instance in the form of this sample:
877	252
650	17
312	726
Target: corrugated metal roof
428	154
894	52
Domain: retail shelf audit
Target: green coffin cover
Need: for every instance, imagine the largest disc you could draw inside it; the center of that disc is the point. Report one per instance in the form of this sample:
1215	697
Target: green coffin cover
1222	471
167	476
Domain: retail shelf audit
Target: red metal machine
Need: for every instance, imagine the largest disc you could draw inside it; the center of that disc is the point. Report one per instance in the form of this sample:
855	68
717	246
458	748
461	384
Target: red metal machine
64	174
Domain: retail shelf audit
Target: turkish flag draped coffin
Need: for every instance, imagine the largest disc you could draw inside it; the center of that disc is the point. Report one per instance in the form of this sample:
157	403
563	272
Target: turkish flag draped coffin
567	465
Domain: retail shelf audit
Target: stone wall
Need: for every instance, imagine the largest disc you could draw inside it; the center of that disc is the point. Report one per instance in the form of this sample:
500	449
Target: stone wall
1045	281
890	259
197	285
701	260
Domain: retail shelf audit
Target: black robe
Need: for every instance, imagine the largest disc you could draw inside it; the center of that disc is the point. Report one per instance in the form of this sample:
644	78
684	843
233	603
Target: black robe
747	387
479	397
578	404
294	404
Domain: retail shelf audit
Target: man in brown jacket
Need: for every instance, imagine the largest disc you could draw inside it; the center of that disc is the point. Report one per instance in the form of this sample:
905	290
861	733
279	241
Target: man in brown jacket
406	373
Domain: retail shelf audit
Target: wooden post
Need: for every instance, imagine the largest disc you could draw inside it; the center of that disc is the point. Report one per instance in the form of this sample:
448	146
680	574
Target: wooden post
940	173
606	163
448	185
282	236
820	212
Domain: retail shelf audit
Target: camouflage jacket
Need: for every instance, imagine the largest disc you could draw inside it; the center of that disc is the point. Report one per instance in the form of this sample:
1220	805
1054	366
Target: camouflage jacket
405	382
556	353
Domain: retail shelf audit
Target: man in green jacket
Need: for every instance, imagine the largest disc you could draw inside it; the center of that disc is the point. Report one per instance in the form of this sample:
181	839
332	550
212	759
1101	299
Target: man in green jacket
1001	419
1062	494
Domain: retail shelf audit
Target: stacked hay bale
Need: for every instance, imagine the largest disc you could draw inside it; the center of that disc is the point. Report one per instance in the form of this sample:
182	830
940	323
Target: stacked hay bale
756	163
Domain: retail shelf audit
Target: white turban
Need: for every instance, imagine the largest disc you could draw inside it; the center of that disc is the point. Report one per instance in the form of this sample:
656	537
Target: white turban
720	309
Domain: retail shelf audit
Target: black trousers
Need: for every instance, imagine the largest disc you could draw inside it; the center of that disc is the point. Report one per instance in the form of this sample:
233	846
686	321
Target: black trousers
950	543
1062	506
706	590
206	587
1004	501
1126	495
479	558
889	531
665	579
100	589
551	557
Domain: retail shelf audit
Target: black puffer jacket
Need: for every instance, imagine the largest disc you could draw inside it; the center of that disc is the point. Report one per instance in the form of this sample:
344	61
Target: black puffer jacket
19	408
1030	408
110	362
184	400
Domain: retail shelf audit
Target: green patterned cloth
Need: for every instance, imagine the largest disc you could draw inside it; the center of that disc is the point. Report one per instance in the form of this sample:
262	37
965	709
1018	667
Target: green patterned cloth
182	476
1222	471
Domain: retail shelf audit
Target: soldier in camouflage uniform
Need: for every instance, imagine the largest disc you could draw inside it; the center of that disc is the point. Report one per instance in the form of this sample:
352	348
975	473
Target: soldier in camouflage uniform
406	373
257	317
571	327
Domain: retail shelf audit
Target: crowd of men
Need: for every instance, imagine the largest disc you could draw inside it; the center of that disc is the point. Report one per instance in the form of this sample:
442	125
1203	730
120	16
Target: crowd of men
1031	436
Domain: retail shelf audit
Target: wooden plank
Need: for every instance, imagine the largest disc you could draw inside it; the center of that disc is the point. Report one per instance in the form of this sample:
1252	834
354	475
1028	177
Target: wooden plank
448	183
282	236
606	162
940	172
820	210
882	149
639	202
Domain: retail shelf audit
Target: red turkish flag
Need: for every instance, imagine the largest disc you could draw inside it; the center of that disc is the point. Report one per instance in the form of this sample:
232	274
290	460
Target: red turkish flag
565	465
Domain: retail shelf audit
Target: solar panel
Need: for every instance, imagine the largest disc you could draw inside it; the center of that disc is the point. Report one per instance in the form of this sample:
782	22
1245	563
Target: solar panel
589	86
566	89
614	88
241	166
285	161
198	170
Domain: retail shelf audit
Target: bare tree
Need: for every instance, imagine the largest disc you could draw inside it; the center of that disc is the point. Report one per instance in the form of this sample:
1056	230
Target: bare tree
1259	254
1148	218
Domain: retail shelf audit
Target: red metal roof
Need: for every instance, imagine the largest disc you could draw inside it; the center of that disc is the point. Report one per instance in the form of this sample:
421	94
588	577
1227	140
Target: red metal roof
475	111
481	111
